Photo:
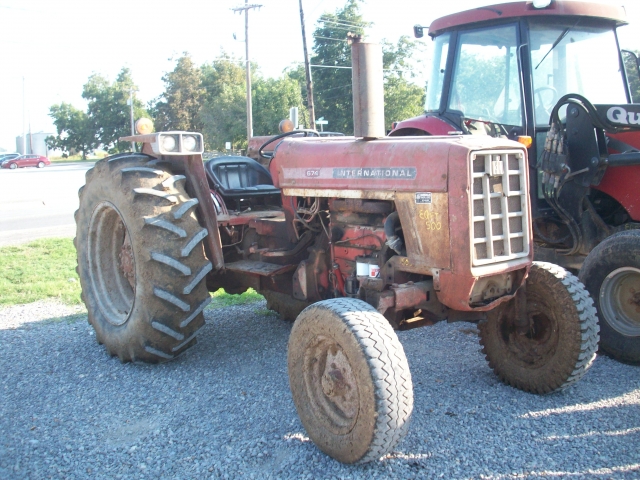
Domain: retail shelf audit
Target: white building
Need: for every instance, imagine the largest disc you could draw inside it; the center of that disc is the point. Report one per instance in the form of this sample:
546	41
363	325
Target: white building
35	144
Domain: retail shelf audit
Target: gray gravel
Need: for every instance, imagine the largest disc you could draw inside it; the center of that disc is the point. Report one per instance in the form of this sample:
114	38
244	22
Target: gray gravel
223	410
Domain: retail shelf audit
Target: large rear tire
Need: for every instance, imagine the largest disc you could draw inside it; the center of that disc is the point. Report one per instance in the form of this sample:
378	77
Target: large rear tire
611	273
349	379
141	261
560	343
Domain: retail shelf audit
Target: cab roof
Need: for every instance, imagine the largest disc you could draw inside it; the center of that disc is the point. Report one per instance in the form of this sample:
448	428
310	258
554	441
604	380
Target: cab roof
526	9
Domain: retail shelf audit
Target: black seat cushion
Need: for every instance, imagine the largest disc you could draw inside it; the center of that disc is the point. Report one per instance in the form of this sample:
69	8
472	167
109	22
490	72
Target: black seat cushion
236	177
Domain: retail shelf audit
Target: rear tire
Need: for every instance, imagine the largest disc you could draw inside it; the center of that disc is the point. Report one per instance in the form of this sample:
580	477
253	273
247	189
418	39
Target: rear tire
611	273
141	261
349	379
562	339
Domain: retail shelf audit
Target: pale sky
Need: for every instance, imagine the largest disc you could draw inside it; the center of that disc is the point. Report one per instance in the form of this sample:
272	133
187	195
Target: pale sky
57	44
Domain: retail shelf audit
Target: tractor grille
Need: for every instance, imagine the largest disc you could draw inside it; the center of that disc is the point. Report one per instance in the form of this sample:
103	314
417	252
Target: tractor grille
499	209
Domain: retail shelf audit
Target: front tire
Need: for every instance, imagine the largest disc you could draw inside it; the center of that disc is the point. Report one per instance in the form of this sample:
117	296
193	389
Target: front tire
611	273
13	166
349	379
560	343
40	164
141	261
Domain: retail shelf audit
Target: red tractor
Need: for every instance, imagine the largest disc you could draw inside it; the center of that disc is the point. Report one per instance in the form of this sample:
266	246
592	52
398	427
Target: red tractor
354	236
532	72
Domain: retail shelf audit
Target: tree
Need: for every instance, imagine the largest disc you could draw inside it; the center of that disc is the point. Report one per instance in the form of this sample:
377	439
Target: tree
76	133
297	74
631	66
332	86
402	98
223	113
109	111
179	105
333	95
272	99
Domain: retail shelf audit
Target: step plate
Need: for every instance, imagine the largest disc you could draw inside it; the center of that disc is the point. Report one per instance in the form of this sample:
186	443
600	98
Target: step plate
263	269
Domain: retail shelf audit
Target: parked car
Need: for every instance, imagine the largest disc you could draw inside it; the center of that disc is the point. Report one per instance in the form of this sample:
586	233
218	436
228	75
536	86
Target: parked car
26	161
8	156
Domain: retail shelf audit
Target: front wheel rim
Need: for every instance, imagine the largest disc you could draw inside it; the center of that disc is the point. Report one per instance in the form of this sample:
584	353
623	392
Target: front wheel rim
331	385
111	264
620	300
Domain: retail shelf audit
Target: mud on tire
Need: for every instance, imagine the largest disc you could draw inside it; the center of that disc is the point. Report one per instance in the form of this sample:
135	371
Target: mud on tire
350	380
141	261
562	339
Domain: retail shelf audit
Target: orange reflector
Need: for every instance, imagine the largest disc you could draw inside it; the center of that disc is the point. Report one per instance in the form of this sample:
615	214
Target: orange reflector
525	140
286	126
144	126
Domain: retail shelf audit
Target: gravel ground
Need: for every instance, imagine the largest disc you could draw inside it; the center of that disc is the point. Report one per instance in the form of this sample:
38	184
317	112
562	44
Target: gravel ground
224	410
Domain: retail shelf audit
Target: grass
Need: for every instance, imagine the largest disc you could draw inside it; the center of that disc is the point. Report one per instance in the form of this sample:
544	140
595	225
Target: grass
223	299
39	270
46	269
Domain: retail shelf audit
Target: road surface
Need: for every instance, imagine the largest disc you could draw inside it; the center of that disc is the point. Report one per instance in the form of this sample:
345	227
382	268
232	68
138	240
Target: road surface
39	202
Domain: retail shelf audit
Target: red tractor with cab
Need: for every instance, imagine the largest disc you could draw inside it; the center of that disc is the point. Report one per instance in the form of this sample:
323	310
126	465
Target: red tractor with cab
551	75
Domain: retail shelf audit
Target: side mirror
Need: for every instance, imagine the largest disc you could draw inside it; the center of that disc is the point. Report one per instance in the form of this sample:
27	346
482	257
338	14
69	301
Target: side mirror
418	31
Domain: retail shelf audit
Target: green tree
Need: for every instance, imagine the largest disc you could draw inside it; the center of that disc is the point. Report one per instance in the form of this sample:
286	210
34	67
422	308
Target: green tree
402	98
179	106
272	99
109	111
332	91
631	67
296	73
223	112
76	133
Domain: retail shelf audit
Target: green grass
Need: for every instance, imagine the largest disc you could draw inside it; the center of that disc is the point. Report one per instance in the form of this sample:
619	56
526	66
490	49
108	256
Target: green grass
39	270
223	299
47	269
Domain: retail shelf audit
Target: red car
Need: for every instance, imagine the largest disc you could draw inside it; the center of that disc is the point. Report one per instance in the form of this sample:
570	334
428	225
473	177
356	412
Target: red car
26	161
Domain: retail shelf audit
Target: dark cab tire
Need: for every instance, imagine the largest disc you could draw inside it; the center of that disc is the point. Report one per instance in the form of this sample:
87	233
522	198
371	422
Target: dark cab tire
141	261
561	342
611	273
349	379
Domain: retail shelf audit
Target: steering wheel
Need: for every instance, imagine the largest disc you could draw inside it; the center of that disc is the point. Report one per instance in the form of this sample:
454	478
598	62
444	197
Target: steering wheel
540	104
305	133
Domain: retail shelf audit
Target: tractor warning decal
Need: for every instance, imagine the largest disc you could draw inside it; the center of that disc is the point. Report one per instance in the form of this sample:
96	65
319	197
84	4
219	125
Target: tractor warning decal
401	173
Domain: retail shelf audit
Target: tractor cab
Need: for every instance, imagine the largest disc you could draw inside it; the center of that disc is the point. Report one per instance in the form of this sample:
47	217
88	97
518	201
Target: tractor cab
500	70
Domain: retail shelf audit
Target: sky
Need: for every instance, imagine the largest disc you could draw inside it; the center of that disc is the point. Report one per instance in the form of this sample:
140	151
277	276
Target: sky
51	47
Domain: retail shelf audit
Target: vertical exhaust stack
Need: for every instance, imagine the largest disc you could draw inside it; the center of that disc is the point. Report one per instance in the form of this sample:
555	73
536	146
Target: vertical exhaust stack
368	88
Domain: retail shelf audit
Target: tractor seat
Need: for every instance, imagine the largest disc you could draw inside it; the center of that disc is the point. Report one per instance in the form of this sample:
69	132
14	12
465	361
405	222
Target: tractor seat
238	177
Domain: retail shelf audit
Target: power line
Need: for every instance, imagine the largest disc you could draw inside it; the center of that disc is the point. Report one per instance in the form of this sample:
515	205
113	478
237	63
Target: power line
329	38
343	22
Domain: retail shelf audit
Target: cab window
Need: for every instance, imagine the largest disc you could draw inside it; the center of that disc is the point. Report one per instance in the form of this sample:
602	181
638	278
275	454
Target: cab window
486	83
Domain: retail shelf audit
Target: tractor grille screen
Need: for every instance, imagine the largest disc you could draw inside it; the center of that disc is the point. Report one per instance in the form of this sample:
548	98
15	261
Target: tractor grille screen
499	210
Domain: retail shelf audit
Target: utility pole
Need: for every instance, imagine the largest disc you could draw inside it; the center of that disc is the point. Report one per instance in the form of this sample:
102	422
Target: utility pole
246	7
307	71
24	121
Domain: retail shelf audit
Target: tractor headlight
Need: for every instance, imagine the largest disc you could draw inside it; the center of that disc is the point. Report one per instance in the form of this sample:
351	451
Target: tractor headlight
169	143
189	143
175	143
